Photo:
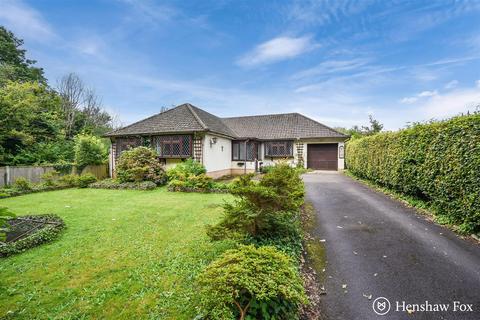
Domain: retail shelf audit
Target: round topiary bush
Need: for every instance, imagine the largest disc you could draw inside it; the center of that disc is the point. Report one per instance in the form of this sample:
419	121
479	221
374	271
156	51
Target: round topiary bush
140	164
254	282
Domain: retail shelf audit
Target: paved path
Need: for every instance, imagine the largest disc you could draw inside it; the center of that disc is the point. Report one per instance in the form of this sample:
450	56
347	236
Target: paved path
377	246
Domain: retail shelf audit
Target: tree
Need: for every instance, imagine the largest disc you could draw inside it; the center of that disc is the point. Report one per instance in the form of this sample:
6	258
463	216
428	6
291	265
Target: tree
14	66
82	108
89	150
71	89
29	116
375	126
357	132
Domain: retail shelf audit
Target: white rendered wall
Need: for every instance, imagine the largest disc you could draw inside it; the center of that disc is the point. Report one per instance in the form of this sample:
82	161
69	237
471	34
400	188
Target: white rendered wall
217	156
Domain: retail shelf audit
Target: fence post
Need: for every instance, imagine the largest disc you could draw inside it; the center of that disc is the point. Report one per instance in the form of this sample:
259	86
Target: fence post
7	174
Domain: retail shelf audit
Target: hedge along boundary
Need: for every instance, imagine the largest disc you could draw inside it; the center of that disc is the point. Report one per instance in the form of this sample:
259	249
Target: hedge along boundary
438	162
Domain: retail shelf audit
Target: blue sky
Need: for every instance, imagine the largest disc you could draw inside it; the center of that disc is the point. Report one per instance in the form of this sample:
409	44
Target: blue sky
335	61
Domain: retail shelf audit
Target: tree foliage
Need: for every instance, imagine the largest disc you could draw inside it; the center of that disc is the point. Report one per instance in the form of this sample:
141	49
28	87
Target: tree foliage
29	116
437	161
14	66
241	278
362	131
37	123
265	209
89	150
81	107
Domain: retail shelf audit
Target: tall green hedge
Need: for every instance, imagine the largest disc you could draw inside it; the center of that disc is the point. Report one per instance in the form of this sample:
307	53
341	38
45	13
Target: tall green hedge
438	161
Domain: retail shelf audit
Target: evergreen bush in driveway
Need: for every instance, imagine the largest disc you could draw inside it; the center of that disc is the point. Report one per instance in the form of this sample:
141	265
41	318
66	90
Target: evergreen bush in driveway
437	161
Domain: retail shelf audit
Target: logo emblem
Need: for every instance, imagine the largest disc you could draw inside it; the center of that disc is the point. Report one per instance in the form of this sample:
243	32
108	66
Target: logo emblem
381	306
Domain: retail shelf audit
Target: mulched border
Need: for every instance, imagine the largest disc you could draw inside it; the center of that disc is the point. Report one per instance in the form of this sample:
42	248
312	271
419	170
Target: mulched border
53	228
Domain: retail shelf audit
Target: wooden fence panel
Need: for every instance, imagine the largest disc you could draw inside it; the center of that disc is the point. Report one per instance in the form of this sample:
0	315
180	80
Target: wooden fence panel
9	174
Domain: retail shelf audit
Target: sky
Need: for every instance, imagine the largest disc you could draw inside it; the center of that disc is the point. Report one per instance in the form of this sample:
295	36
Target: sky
335	61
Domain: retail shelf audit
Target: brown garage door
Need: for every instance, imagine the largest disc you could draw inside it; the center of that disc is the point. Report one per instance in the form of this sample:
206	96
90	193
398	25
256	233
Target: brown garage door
322	156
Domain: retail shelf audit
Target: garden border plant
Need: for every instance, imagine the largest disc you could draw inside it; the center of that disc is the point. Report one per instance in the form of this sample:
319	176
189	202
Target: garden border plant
48	233
190	176
51	182
264	216
115	184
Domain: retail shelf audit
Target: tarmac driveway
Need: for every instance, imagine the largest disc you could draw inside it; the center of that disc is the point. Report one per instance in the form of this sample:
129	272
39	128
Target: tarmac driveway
377	247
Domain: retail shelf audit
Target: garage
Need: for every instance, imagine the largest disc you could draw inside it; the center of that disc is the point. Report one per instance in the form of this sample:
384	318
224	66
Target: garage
322	156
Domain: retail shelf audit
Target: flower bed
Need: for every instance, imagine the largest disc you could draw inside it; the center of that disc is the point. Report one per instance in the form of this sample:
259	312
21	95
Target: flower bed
30	231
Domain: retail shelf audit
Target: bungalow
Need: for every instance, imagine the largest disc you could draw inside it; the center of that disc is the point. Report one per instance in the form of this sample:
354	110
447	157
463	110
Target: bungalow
232	145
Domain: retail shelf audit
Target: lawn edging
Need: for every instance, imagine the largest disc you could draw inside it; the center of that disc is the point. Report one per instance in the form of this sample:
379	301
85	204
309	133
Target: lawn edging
312	264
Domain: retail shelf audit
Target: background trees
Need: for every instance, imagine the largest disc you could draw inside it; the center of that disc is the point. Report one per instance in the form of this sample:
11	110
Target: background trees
357	131
14	66
38	123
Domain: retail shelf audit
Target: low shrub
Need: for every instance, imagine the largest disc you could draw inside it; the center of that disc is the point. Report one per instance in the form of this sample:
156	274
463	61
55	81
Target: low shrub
115	184
186	169
190	176
68	180
50	178
437	162
268	209
253	283
46	234
140	164
266	169
85	179
22	184
199	183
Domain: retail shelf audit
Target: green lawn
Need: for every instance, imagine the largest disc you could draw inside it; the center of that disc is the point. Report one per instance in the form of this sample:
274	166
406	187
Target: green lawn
124	255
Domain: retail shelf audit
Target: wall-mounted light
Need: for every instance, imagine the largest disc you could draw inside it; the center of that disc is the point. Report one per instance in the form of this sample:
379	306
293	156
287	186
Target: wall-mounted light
213	141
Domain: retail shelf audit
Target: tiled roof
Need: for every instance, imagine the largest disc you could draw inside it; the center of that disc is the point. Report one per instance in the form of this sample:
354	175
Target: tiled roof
183	118
188	118
280	126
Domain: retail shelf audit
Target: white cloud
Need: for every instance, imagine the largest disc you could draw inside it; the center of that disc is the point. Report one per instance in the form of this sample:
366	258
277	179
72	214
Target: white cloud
151	12
277	49
428	93
452	103
24	21
452	84
331	66
409	100
417	97
477	83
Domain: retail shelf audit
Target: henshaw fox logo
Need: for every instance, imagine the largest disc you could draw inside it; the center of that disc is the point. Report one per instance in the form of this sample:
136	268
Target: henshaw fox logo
382	306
